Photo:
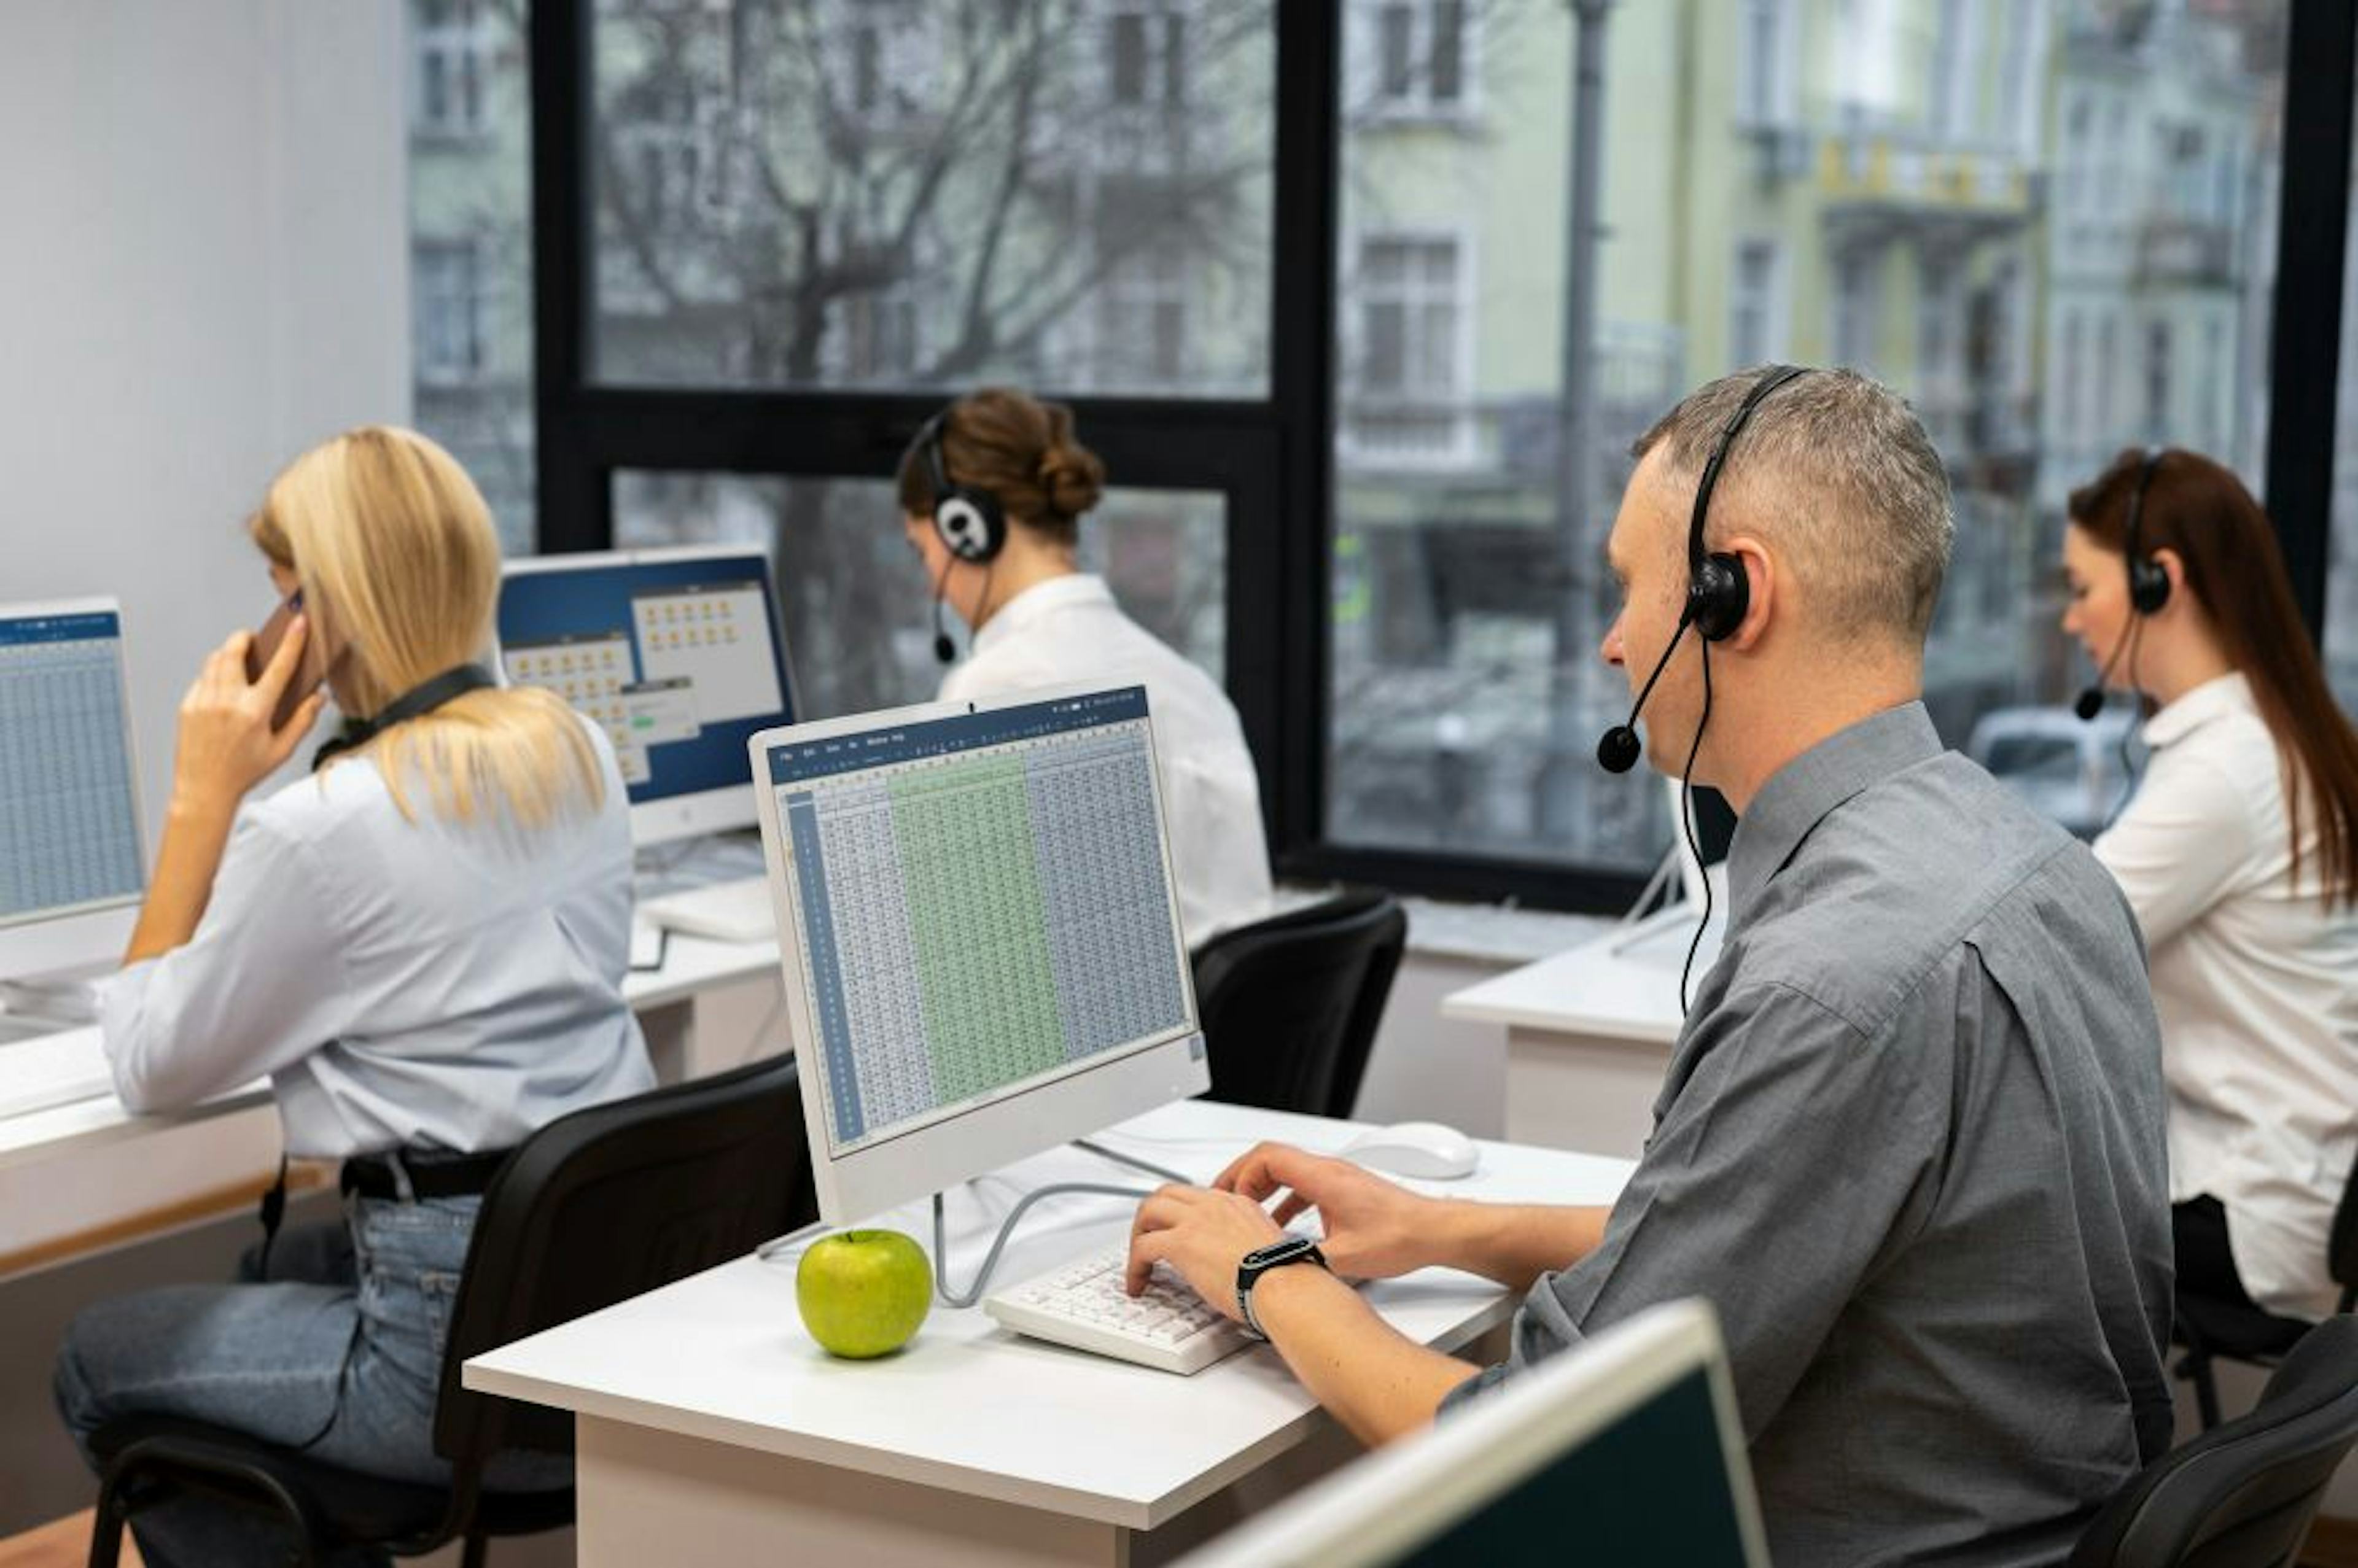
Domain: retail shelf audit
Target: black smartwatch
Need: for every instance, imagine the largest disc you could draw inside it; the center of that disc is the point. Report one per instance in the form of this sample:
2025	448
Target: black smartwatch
1259	1261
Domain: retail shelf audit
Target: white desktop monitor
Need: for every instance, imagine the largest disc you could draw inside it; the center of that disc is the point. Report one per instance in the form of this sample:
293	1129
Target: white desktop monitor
1624	1449
72	862
679	654
979	934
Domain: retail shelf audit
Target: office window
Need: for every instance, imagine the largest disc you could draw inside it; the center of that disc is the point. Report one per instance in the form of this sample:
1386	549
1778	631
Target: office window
1916	238
2340	642
453	47
840	561
762	171
1409	298
471	249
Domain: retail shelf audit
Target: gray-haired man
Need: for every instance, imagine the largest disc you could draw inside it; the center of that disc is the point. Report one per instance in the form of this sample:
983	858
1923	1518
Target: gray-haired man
1911	1143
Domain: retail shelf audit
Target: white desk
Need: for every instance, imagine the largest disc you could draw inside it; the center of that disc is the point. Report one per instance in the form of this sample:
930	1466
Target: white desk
711	1430
70	1169
1589	1031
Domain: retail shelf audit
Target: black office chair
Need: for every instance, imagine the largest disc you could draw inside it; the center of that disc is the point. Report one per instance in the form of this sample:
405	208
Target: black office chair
2242	1495
1290	1006
2212	1329
595	1207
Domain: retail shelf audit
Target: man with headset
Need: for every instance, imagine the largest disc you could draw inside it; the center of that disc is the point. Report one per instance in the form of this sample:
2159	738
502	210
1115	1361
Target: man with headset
1909	1145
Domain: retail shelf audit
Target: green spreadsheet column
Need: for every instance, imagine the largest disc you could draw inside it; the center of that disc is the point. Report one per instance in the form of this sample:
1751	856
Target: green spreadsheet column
980	925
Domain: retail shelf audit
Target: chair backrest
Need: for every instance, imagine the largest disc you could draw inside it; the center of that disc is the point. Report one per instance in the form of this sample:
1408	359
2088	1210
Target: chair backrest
2242	1495
1290	1006
607	1204
2342	1246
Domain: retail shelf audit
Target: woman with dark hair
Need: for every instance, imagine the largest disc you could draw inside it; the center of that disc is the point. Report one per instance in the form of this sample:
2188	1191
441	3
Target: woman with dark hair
992	493
2239	853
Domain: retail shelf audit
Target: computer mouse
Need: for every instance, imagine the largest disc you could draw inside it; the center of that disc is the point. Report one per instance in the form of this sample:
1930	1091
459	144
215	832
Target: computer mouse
1426	1149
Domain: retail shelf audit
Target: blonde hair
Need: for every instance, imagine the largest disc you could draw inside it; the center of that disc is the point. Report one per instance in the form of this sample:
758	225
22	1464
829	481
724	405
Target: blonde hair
400	570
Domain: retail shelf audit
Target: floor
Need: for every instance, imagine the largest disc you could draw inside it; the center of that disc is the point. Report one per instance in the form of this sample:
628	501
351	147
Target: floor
63	1544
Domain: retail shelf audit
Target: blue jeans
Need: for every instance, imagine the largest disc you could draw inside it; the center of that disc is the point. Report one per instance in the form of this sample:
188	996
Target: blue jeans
337	1352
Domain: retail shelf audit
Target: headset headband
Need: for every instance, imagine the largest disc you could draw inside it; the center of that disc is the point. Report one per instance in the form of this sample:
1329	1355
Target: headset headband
1773	378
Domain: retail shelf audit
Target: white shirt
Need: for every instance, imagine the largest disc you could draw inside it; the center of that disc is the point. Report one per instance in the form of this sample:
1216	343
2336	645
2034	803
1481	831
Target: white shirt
2257	987
1068	630
404	984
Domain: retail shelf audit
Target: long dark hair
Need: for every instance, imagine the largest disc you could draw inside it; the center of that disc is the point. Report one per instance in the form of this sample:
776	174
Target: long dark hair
2236	572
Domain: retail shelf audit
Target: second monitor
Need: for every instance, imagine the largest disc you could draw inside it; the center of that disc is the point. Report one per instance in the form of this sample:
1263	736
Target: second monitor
678	654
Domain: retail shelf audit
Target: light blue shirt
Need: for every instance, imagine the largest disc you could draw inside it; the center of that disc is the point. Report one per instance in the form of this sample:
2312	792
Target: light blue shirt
402	983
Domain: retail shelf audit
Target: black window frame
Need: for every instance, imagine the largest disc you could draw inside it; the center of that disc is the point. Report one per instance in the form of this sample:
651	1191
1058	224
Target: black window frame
1272	458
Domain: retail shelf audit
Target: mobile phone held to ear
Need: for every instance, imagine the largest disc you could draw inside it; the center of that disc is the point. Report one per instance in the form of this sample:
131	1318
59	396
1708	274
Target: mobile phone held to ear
309	672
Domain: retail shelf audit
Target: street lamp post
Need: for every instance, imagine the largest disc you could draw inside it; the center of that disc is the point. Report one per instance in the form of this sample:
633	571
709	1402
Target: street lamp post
1563	828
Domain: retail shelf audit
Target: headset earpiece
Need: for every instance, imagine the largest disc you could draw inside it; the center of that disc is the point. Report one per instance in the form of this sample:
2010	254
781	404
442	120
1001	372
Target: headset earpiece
967	519
2148	582
1717	596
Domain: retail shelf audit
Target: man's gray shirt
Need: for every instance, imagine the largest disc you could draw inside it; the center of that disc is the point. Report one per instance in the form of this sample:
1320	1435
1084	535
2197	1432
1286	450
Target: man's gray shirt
1910	1147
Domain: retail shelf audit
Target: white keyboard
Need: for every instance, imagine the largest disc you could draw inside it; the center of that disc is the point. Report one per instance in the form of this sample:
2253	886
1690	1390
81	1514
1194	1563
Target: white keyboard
52	1070
1167	1326
736	911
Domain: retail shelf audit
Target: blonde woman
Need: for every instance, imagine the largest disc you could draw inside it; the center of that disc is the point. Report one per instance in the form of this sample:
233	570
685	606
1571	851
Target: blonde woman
421	944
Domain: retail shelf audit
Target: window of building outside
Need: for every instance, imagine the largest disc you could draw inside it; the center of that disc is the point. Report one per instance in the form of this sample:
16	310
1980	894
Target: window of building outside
449	340
1754	329
841	560
816	194
456	41
1419	57
470	247
1991	239
1405	400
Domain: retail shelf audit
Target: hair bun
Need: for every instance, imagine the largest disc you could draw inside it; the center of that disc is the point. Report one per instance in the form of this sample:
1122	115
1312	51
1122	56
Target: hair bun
1071	478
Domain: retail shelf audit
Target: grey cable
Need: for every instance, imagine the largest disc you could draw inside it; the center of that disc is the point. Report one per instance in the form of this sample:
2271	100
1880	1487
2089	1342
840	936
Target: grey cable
974	1291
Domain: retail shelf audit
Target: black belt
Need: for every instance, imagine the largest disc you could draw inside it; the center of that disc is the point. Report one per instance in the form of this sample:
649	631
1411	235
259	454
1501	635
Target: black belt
430	1176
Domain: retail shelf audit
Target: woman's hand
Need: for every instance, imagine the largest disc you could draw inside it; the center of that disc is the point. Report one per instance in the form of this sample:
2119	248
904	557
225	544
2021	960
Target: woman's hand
1374	1230
226	743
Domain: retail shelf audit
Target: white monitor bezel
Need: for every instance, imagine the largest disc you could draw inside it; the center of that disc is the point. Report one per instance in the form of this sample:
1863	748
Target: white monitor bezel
41	943
1014	1123
706	811
1383	1507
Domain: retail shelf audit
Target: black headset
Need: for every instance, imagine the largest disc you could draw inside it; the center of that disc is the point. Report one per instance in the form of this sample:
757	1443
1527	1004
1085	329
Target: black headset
419	700
1718	592
967	519
971	521
2148	585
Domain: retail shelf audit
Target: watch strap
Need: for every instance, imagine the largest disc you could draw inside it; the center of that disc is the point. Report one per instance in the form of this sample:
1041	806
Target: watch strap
1261	1261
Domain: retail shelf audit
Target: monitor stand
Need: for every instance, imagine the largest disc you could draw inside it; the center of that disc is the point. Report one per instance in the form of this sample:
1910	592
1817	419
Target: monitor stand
973	1292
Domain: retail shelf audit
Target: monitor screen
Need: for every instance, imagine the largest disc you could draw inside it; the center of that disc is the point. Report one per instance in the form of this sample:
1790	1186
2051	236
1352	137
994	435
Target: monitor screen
1624	1449
979	935
678	654
69	829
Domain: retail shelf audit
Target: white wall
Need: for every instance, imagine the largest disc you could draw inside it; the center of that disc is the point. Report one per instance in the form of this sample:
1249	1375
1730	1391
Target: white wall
206	269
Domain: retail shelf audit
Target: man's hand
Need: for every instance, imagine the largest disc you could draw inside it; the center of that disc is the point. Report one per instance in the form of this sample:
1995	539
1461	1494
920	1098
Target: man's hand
1374	1229
226	743
1202	1234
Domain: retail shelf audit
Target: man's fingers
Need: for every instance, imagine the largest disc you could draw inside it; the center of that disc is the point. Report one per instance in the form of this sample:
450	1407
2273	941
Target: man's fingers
1294	1204
1262	1170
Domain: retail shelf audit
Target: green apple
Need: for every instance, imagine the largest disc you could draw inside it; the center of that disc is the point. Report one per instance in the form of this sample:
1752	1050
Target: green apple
863	1292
